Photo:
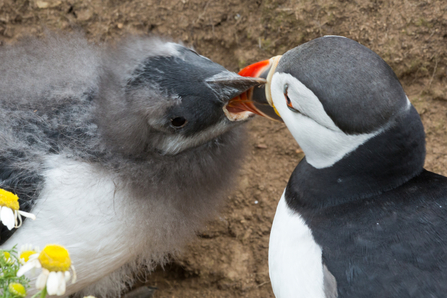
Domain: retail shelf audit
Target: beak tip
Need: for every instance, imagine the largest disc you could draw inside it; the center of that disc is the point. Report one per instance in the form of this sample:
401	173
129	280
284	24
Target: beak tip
258	101
229	85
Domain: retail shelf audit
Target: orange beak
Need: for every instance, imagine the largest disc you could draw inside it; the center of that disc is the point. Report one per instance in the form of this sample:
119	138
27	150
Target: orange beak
258	99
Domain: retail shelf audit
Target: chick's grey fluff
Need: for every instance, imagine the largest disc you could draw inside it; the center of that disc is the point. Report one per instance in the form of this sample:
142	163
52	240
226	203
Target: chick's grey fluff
81	152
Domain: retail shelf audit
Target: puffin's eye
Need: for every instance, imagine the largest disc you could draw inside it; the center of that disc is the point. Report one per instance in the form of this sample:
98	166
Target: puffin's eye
178	122
288	101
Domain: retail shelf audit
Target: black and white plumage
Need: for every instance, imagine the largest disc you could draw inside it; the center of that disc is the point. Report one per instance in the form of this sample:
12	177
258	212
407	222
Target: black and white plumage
120	151
360	217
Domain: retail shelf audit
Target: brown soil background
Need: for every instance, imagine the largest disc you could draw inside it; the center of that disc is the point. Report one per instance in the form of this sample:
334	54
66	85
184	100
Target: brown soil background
229	256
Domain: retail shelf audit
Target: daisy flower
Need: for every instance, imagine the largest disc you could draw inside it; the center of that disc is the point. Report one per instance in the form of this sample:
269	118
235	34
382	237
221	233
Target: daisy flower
7	258
26	251
17	290
10	215
56	264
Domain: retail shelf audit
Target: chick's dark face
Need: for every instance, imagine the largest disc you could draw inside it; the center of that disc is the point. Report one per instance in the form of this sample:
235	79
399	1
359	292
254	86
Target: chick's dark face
200	105
193	92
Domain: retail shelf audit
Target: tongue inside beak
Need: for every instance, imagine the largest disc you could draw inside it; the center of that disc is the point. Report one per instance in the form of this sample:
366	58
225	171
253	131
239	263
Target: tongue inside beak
258	99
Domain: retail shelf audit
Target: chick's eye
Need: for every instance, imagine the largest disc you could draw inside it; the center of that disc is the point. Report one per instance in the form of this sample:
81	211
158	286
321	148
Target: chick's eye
288	101
178	122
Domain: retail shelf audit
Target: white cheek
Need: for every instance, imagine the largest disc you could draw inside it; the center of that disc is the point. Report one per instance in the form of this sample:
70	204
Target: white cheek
321	140
302	99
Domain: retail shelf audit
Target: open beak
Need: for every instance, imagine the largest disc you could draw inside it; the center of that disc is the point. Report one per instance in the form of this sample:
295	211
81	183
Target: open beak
257	99
228	85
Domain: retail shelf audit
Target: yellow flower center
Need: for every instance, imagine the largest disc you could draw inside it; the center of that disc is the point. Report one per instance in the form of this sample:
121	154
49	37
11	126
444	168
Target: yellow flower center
17	290
7	258
8	199
55	258
25	254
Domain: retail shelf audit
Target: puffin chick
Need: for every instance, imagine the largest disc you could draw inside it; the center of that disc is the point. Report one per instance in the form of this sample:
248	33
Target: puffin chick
121	152
360	217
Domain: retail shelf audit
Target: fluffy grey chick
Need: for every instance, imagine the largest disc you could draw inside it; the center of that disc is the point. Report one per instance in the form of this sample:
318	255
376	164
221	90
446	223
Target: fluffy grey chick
121	152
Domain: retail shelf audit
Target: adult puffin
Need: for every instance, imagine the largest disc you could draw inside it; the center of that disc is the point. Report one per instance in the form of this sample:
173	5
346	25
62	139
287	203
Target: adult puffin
360	217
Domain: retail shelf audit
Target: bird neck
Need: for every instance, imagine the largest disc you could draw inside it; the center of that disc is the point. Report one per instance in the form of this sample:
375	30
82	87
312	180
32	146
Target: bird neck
382	163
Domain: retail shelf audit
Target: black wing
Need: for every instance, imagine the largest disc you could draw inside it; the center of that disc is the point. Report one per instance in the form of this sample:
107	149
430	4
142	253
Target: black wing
392	245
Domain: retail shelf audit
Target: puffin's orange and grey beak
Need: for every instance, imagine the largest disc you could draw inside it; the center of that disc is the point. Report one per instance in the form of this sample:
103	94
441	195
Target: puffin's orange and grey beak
258	99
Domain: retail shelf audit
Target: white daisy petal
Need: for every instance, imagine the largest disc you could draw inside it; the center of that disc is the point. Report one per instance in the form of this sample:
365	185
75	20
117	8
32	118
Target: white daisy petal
67	275
52	283
61	286
28	266
27	214
42	279
73	280
15	217
18	219
25	247
7	217
33	257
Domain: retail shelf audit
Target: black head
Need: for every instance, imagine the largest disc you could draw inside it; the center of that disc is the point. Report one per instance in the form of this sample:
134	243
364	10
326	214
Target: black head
334	95
184	80
173	100
358	90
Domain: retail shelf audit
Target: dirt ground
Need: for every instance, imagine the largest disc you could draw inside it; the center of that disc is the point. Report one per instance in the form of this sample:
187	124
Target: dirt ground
229	256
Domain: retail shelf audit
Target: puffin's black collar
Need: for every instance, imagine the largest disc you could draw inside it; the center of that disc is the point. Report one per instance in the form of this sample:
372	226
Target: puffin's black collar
384	162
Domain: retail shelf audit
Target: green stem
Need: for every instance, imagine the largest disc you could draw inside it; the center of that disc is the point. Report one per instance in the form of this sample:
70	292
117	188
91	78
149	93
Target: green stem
37	294
44	293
